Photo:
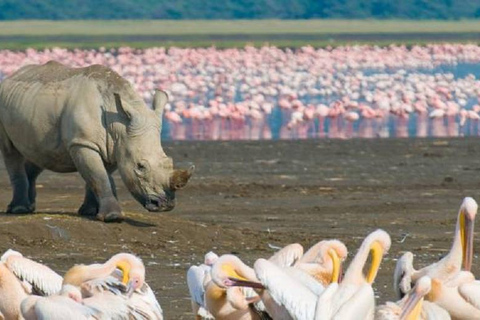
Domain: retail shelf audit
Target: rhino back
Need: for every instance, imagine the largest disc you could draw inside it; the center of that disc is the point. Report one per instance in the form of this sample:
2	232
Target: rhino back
45	109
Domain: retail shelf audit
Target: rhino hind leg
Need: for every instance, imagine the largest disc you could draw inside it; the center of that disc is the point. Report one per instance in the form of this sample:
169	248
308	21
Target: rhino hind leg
33	171
90	166
15	164
90	203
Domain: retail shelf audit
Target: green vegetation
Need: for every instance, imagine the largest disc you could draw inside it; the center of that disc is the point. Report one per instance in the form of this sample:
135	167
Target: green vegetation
233	33
238	9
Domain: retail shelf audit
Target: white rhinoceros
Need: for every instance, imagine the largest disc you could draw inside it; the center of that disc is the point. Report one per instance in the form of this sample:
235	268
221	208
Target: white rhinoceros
88	120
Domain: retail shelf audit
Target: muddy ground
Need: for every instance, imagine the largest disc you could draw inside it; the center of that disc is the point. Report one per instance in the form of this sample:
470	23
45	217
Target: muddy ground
246	196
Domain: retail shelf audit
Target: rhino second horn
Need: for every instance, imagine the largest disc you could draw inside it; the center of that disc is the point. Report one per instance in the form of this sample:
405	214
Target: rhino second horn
160	99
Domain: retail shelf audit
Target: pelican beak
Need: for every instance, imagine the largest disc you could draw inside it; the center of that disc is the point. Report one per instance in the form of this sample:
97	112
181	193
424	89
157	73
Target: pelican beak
376	251
466	232
340	275
125	268
336	265
413	306
130	289
235	282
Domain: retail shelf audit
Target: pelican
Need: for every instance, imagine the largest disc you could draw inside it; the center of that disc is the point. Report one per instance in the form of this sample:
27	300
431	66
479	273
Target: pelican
21	277
450	266
317	260
223	301
103	279
412	306
306	287
197	278
352	299
133	271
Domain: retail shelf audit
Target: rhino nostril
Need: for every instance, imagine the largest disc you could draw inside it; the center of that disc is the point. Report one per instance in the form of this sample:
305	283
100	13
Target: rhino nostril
155	201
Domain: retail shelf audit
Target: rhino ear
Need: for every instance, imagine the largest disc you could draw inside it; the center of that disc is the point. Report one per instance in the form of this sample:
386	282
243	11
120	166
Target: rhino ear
127	109
160	99
180	178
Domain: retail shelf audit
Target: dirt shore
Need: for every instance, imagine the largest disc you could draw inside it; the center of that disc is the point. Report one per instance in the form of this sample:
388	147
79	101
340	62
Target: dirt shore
246	196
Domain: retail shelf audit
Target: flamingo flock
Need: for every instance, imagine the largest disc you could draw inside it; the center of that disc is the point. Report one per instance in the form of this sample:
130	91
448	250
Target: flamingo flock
264	93
293	285
115	289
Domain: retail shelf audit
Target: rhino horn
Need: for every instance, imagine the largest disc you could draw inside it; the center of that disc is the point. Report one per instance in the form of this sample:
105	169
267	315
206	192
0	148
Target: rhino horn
160	99
180	178
126	108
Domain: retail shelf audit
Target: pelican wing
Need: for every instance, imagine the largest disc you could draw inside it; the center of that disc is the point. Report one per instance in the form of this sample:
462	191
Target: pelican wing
307	280
360	305
113	306
44	281
144	302
471	293
388	311
64	308
287	256
286	291
195	281
110	284
432	311
326	303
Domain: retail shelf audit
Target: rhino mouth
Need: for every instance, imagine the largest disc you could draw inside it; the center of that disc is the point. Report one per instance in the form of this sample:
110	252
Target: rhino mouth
155	203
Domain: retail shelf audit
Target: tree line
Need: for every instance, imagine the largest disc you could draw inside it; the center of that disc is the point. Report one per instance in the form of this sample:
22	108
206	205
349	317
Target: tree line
239	9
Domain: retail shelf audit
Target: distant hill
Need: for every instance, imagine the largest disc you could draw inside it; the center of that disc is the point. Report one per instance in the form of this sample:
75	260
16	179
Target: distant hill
238	9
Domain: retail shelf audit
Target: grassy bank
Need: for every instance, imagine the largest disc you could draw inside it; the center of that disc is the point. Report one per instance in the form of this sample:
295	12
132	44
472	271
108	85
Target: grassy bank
231	33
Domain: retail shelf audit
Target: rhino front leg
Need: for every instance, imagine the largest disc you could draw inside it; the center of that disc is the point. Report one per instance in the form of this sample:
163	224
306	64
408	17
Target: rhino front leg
90	165
90	203
15	164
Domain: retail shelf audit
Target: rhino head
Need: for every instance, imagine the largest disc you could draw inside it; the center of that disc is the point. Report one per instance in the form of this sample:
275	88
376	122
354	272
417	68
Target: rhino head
143	165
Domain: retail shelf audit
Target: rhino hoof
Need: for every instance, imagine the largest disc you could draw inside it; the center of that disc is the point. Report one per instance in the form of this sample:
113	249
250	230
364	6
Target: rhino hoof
111	217
88	210
20	209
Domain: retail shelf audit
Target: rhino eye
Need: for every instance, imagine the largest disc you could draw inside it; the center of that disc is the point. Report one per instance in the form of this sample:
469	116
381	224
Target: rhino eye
142	167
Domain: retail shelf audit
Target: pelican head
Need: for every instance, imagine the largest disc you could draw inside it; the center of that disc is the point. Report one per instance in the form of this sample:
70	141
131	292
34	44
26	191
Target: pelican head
468	211
210	258
71	292
230	271
379	243
402	276
335	252
133	270
412	306
337	264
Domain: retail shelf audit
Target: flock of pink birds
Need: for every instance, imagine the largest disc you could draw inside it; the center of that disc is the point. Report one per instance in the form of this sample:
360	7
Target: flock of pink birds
263	93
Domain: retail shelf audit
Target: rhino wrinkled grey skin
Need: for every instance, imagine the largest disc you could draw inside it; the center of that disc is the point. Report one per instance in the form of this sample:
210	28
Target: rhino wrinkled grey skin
88	120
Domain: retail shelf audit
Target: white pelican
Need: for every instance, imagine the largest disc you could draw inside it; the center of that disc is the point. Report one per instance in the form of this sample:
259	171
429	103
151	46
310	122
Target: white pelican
197	278
412	306
317	261
449	267
103	279
225	302
352	299
21	277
